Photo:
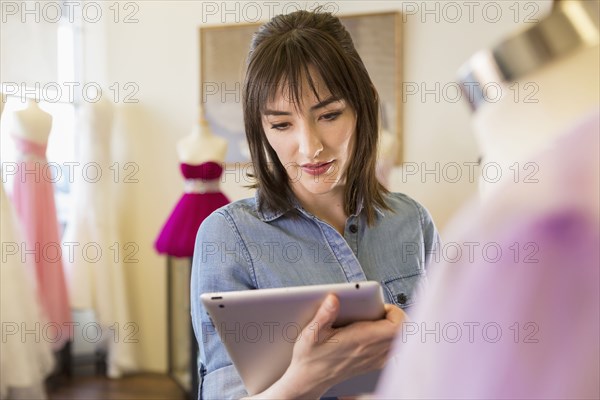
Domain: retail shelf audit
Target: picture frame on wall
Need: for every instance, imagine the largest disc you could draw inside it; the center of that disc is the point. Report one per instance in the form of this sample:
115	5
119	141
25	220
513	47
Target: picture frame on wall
223	50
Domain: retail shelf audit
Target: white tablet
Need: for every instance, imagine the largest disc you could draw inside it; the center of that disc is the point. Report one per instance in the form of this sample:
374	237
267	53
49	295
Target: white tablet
259	327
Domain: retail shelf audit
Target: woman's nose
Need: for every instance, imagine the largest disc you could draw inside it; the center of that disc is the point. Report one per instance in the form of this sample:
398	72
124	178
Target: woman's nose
310	144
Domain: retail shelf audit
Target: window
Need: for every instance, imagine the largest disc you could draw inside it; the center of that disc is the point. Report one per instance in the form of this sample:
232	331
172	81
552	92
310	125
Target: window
61	142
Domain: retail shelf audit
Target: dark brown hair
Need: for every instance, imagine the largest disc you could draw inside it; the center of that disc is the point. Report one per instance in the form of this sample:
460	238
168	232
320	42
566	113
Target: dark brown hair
279	58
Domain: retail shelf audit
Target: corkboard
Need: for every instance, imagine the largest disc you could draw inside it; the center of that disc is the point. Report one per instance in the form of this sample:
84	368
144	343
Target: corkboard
223	50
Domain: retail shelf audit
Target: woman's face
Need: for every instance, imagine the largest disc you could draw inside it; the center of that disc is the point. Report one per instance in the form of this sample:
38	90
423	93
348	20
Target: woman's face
314	140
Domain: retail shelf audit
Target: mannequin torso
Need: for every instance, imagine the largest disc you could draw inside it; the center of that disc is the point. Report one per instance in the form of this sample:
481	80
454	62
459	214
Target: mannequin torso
33	123
555	213
201	155
201	146
568	90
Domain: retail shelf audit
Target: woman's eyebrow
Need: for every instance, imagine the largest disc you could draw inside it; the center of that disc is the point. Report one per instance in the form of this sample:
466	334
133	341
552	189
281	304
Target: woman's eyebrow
321	104
329	100
276	112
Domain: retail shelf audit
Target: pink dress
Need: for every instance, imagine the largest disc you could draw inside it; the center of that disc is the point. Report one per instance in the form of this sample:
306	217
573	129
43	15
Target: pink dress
25	361
202	196
33	197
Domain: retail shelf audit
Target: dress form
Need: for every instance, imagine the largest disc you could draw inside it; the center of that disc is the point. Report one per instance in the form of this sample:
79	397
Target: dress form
33	123
90	218
24	363
33	195
567	91
547	76
556	216
201	155
99	285
201	145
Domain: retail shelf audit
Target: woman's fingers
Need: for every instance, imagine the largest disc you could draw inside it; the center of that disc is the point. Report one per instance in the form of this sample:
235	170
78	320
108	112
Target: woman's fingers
320	326
394	314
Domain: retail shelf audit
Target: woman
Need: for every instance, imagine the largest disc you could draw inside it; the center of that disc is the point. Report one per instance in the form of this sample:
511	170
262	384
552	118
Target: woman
319	215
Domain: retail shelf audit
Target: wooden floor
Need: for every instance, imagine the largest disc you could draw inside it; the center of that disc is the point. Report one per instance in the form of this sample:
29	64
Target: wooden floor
143	386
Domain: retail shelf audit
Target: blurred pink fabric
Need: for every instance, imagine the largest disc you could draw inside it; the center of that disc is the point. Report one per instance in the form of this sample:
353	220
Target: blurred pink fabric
25	360
33	198
517	313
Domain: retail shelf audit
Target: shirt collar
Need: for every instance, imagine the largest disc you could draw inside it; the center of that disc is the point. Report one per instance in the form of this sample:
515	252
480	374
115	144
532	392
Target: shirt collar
379	211
266	214
359	209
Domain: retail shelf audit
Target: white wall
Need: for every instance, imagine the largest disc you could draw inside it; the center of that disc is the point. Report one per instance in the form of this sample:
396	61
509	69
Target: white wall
159	53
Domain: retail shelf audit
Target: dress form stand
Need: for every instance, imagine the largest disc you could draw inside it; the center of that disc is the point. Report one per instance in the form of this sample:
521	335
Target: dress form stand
33	196
201	155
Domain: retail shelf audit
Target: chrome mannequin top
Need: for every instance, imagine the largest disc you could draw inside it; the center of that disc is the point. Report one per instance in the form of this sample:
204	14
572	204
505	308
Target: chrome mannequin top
572	25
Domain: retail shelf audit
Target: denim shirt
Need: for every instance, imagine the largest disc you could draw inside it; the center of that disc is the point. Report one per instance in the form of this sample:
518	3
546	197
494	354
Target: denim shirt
239	247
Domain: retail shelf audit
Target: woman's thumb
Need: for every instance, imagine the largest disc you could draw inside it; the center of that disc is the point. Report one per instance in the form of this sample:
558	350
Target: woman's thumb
326	314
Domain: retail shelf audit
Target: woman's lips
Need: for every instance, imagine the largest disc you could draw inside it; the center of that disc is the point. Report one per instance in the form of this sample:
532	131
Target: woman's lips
316	169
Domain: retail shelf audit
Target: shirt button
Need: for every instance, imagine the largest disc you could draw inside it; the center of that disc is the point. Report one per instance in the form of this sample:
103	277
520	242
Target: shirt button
401	298
353	228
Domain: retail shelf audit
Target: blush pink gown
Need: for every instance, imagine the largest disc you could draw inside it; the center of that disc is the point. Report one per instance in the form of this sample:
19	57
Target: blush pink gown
33	198
25	360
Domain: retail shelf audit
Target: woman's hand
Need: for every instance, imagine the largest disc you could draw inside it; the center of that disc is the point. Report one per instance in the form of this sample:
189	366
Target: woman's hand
324	356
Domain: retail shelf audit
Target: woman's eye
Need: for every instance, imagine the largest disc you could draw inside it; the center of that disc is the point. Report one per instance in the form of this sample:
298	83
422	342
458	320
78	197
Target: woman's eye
331	116
280	127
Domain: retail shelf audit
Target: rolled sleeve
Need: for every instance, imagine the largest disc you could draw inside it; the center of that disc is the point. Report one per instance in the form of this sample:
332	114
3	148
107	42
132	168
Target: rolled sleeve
220	263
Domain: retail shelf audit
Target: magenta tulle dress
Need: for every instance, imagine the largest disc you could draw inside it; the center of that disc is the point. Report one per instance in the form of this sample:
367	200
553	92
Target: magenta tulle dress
33	197
202	196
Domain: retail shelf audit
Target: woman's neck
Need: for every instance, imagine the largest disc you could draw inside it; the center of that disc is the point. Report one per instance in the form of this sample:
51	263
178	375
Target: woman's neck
328	207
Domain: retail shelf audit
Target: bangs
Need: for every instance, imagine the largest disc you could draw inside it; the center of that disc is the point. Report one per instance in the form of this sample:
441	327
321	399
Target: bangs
283	53
284	65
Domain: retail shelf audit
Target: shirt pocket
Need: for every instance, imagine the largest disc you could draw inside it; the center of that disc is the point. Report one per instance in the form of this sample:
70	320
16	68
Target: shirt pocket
403	290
